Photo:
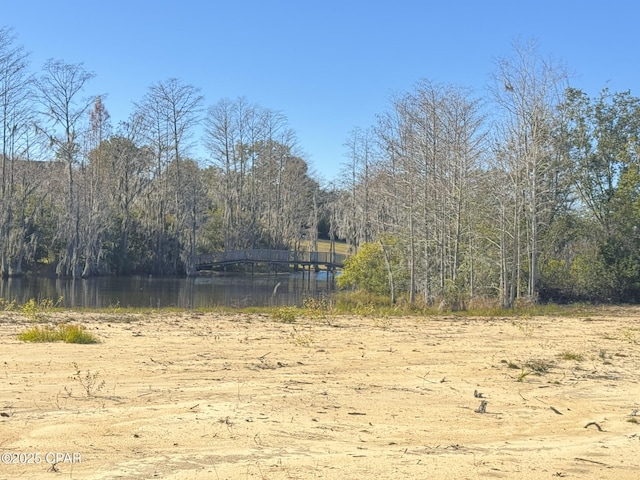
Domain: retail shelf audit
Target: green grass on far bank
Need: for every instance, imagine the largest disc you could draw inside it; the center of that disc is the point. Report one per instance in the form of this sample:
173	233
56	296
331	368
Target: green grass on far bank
325	246
362	302
340	303
365	304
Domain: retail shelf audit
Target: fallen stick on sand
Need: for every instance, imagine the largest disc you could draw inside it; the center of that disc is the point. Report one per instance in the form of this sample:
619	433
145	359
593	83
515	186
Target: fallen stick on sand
594	423
592	461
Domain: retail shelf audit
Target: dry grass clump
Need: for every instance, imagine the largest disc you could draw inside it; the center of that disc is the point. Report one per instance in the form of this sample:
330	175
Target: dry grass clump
568	355
62	333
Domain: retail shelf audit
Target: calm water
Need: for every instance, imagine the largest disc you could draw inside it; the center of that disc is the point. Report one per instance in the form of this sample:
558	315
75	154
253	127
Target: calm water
156	292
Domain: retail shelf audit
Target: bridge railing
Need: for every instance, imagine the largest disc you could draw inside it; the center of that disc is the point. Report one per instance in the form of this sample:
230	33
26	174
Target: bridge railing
272	256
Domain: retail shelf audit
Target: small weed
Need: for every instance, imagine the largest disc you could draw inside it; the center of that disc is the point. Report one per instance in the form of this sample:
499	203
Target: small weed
89	381
301	338
567	355
264	362
510	364
382	322
7	305
39	310
114	307
285	314
523	375
59	405
539	365
604	356
628	335
525	327
633	420
320	308
62	333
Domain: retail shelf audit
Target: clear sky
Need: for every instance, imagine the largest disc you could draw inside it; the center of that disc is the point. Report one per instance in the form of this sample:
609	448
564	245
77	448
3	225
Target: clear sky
328	65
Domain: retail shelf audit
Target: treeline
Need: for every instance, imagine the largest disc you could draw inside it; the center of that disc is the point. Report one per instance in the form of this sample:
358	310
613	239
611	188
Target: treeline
80	197
530	192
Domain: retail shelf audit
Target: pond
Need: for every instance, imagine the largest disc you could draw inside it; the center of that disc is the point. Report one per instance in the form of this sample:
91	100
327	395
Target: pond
232	290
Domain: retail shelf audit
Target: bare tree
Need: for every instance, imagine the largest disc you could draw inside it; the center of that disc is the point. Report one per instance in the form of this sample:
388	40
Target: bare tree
414	188
193	203
180	105
267	193
123	171
527	89
168	114
357	175
231	136
59	93
95	187
15	122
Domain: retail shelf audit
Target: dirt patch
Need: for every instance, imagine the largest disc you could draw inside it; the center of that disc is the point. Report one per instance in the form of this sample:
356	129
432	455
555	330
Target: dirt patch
189	395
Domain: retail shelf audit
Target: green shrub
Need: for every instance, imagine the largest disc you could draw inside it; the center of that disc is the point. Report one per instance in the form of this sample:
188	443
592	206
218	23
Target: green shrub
366	270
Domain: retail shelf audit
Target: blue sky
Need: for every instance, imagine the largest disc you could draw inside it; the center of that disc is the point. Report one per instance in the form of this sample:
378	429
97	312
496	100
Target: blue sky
328	66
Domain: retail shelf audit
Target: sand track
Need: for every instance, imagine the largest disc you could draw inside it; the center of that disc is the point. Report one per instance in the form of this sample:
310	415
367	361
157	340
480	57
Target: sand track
189	395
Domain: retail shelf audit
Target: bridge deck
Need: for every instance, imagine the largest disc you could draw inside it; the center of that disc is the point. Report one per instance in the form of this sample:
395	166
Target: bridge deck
273	257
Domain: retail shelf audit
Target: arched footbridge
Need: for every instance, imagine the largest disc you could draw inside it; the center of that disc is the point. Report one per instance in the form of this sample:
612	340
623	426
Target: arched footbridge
329	260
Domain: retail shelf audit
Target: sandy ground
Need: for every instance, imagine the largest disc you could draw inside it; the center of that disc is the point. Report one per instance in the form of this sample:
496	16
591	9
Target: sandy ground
213	396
